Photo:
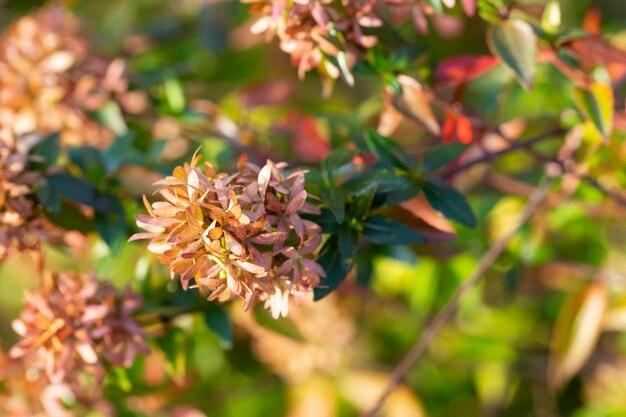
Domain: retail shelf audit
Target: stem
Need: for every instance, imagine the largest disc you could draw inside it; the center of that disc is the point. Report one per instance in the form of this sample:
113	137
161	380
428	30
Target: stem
489	156
437	323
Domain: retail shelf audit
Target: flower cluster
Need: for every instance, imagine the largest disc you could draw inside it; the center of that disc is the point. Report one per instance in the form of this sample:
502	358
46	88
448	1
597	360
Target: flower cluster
49	80
21	226
318	33
238	234
72	322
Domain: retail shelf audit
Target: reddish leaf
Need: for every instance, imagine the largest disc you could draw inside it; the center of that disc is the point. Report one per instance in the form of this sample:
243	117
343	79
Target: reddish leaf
308	140
457	128
461	69
592	22
592	51
469	7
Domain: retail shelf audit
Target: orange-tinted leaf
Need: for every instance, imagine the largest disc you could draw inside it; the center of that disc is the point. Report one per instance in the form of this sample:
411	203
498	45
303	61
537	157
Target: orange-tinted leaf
420	208
576	333
414	103
461	69
457	128
390	118
592	51
592	22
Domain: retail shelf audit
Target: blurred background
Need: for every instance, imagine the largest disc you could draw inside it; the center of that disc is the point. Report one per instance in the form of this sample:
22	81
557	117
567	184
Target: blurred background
209	82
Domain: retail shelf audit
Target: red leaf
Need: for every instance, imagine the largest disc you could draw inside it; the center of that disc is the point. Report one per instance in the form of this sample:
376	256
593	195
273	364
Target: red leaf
308	140
457	128
461	69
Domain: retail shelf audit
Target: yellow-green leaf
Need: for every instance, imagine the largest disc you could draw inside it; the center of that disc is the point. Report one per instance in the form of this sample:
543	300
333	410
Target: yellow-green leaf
551	18
596	104
576	333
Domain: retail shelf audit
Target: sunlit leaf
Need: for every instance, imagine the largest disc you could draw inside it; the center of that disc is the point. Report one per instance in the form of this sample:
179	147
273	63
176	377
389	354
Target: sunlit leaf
414	103
551	18
576	333
515	42
596	104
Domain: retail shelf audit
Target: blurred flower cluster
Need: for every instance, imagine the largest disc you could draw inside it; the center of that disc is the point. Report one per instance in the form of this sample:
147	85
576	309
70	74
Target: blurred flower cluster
72	323
50	80
238	234
21	226
327	331
322	34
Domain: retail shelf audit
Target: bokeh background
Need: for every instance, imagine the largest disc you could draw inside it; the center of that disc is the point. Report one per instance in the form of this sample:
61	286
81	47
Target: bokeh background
210	83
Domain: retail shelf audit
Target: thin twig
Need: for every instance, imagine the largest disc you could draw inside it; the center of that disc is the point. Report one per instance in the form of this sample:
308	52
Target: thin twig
435	326
612	194
490	156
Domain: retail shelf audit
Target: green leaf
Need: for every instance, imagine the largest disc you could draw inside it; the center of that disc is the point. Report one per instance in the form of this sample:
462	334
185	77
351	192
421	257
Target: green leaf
332	264
111	116
73	189
112	225
48	198
385	231
440	156
48	150
334	161
218	322
335	199
388	152
450	203
515	42
174	95
596	105
89	160
551	18
347	243
80	191
173	345
69	217
117	152
363	201
386	180
326	220
396	197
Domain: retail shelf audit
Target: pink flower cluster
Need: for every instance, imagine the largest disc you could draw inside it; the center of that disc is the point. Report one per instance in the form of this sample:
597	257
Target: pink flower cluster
239	234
